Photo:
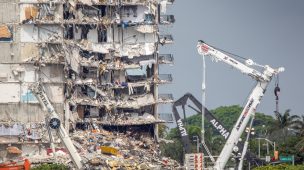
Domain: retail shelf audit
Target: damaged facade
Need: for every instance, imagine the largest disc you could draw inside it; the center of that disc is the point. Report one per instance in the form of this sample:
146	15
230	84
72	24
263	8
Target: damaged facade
98	61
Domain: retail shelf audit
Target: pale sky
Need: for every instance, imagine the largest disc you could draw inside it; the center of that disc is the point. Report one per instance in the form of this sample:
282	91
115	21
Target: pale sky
269	32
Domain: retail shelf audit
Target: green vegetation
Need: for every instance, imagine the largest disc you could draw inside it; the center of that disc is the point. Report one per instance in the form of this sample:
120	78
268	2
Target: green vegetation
50	167
285	129
281	167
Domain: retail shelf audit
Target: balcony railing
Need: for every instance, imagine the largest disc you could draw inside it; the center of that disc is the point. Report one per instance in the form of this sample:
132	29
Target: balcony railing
167	19
169	2
165	39
168	117
165	98
165	78
165	59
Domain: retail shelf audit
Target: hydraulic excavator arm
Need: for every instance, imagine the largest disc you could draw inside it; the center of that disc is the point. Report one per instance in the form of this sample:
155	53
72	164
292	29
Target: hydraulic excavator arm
182	102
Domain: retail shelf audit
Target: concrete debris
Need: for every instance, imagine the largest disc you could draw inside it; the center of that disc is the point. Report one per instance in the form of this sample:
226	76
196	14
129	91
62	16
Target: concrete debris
128	119
130	150
126	102
87	2
145	28
13	150
104	149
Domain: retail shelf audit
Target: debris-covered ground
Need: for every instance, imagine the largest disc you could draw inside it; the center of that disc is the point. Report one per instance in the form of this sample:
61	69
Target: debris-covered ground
103	149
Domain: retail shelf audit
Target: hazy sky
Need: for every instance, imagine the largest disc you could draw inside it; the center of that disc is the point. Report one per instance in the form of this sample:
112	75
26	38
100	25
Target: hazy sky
269	32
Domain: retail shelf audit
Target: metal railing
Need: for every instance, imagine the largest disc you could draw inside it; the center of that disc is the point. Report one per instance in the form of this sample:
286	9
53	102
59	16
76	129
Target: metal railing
163	98
168	117
165	59
170	1
164	78
166	36
167	19
165	39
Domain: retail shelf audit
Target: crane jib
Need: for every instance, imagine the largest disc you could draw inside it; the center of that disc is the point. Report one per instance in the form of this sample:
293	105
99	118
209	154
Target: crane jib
245	113
205	48
39	92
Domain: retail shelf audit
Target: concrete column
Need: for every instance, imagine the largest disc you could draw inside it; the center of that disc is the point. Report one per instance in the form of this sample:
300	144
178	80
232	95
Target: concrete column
66	116
156	94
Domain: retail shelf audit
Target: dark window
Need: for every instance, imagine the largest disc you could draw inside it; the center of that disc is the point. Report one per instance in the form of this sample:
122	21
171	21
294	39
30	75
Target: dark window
69	31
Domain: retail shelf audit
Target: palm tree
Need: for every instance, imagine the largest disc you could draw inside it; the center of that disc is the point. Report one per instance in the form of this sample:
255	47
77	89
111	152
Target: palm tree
162	130
300	126
284	124
300	129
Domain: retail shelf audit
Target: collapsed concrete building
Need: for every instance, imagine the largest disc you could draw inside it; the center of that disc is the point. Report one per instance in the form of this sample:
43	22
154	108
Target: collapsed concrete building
98	61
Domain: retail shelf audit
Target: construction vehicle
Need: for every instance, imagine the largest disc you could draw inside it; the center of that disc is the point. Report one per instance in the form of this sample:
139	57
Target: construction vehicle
216	124
221	129
53	122
262	80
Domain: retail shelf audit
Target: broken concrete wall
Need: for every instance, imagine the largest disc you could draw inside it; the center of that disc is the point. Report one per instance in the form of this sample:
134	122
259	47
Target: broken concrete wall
41	12
29	50
129	35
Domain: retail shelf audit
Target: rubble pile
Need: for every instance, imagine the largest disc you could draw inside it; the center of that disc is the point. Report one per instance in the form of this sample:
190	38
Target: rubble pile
125	119
135	150
102	149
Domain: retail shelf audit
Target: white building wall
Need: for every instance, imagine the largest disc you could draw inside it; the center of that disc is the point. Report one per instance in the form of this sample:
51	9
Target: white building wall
25	112
10	93
17	99
8	10
31	33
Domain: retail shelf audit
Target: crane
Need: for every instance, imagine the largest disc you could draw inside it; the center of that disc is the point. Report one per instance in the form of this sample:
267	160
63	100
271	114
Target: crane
55	123
257	93
215	123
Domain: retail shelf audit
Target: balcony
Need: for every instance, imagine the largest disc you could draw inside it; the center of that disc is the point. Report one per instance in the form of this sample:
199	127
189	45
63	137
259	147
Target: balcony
164	78
167	19
170	2
165	59
165	39
165	98
168	117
